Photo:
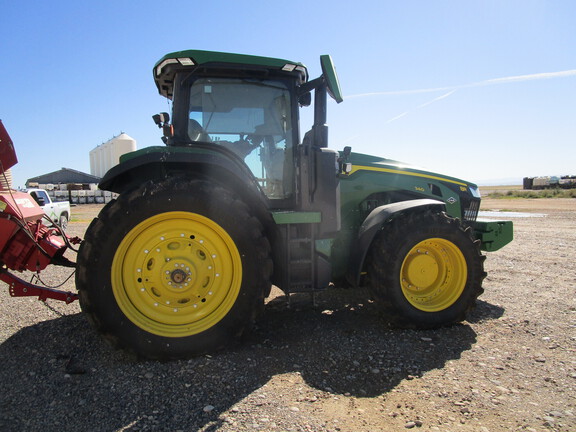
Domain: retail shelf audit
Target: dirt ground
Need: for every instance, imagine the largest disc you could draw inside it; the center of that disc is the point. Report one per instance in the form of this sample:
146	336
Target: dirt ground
332	367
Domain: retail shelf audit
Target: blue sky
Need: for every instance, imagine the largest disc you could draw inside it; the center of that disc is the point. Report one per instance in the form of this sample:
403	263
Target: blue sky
480	90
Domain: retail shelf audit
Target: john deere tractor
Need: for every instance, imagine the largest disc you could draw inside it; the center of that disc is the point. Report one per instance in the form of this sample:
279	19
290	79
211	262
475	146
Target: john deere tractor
240	199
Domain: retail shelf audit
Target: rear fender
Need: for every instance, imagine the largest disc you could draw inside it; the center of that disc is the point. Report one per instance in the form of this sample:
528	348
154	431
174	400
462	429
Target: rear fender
159	162
373	223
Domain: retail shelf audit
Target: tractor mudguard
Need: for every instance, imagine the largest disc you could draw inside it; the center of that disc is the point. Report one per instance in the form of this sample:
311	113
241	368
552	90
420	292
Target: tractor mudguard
371	226
159	162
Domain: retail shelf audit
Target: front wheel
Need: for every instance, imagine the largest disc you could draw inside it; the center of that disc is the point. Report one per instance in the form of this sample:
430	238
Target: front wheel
426	270
174	269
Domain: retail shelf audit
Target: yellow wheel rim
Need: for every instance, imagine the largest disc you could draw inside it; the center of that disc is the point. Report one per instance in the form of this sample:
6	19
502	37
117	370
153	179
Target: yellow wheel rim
433	275
176	274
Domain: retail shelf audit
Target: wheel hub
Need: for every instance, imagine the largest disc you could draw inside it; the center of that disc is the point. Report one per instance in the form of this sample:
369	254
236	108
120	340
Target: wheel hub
423	270
178	276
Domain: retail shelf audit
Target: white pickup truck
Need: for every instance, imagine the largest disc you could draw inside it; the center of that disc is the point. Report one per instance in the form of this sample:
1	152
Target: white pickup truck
58	212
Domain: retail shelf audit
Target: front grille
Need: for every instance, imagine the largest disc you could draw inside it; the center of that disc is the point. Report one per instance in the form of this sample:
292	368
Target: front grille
471	211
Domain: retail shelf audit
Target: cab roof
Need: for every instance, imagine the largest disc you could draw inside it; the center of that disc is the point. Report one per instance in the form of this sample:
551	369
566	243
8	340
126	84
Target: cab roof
166	68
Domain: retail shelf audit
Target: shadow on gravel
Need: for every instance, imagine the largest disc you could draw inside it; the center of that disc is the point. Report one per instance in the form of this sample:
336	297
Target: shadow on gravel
485	311
59	375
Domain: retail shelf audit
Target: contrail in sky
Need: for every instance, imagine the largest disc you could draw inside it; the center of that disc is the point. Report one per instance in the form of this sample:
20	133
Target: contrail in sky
452	89
505	80
539	76
437	99
420	106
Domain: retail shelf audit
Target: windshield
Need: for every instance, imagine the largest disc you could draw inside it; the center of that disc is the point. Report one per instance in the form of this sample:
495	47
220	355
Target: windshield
252	119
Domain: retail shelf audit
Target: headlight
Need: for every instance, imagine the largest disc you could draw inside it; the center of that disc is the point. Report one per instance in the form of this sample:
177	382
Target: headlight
474	191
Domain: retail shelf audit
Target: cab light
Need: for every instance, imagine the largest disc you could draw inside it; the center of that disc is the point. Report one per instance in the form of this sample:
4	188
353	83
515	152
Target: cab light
164	64
184	61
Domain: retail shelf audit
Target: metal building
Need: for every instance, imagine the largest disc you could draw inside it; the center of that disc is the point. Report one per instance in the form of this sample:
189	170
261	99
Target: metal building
63	177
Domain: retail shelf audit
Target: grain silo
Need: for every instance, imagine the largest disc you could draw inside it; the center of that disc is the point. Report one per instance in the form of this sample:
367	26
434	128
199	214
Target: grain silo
107	155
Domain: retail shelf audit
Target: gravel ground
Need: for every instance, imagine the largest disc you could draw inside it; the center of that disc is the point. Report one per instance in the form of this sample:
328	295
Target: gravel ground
336	366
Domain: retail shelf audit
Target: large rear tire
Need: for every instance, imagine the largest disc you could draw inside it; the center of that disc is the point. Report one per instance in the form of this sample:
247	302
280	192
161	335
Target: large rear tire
174	269
426	270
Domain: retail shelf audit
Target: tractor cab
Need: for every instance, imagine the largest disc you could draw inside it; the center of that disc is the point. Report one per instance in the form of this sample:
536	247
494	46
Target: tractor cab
247	107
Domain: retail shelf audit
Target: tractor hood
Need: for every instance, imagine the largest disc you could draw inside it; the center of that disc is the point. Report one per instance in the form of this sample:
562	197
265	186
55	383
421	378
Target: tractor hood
378	181
367	163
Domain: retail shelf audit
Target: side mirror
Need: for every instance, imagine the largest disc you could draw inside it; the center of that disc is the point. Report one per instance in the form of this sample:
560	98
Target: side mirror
331	78
39	200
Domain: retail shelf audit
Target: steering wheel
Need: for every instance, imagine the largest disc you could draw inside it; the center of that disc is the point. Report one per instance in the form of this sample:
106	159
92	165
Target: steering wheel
246	145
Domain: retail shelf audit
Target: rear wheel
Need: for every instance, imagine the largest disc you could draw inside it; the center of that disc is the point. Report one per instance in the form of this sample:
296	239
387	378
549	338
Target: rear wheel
426	270
174	269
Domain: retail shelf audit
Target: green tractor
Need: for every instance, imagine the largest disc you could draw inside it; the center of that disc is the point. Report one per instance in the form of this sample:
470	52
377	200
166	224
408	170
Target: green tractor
235	202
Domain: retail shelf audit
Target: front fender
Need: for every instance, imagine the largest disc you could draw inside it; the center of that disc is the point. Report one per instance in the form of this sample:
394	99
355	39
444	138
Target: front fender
373	223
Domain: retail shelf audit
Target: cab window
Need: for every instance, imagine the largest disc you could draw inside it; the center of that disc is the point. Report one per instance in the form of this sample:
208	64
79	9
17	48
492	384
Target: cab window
252	119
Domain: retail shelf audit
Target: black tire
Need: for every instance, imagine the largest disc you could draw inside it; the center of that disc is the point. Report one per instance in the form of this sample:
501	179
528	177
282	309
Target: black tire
426	270
63	221
212	295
